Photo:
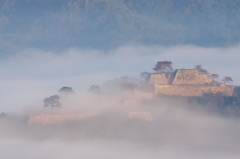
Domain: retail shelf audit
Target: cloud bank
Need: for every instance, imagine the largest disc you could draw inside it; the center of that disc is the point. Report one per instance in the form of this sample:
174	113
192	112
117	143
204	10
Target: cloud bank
31	74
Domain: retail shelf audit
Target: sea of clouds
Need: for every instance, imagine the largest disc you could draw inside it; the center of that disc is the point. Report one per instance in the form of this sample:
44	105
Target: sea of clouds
28	76
31	74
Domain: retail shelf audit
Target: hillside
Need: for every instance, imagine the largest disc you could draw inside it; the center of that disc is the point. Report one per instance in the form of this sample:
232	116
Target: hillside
110	23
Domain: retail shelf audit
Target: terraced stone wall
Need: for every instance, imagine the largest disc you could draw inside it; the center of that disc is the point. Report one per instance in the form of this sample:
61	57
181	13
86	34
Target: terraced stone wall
191	77
58	118
143	95
141	115
161	78
186	90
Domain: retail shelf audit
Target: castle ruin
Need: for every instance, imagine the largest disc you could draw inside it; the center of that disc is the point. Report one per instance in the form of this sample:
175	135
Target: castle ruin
187	82
181	82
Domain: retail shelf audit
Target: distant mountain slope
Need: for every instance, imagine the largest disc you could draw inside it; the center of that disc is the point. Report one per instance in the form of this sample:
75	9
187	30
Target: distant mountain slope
110	23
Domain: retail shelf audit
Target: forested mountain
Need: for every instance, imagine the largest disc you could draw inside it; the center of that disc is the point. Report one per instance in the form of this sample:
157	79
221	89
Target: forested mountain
109	23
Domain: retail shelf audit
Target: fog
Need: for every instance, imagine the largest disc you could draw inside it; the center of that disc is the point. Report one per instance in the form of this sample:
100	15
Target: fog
34	74
178	130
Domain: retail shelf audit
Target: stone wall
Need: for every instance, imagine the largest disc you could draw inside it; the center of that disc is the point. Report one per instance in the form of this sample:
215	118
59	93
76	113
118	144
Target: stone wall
187	90
140	115
132	102
61	118
191	77
161	78
58	118
143	95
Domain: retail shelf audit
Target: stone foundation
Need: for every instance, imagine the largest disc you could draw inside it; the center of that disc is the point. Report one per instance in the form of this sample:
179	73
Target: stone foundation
140	115
161	78
58	118
144	95
132	102
186	90
191	77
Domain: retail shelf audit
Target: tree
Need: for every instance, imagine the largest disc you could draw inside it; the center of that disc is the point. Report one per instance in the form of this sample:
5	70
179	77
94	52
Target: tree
53	101
163	66
95	89
214	76
3	115
227	79
200	69
144	75
66	91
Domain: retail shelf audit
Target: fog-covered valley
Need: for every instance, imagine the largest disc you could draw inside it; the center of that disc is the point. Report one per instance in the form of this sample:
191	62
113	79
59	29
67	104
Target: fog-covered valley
50	45
178	129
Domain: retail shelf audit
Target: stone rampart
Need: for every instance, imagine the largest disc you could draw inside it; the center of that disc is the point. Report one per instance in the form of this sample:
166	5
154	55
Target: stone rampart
132	102
58	118
186	90
143	95
161	78
191	77
140	115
